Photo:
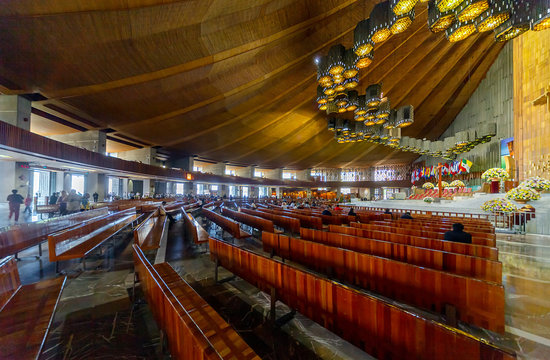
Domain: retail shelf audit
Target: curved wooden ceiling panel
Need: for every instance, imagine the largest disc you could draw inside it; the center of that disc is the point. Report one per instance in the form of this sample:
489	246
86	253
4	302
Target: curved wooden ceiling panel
229	80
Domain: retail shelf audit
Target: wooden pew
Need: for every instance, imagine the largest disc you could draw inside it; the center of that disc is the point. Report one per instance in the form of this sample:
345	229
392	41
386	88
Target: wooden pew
150	232
429	232
314	222
23	236
382	329
291	225
46	209
194	229
477	302
465	265
255	222
79	241
193	328
487	252
26	312
226	224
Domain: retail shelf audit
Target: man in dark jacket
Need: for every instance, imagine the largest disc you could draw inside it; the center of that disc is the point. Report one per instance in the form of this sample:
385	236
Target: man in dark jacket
458	235
406	215
15	200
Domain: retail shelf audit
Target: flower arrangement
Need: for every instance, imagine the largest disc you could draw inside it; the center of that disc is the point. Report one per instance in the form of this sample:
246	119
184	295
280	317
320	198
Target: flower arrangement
444	184
428	199
413	187
495	174
428	185
457	183
522	194
536	183
499	205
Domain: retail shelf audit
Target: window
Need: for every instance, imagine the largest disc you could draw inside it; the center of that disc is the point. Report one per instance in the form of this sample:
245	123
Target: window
232	190
258	173
345	191
289	175
214	187
245	191
197	168
263	191
179	188
77	183
229	172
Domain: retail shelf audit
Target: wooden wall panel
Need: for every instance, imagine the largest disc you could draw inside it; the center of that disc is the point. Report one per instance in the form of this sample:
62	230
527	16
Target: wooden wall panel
531	122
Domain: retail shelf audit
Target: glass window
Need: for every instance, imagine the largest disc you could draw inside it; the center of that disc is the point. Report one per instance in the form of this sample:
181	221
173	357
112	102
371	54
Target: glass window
245	191
258	173
179	188
345	191
200	189
214	187
77	183
229	172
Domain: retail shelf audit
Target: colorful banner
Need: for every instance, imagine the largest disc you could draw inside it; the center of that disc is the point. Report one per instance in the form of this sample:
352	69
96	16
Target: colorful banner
454	168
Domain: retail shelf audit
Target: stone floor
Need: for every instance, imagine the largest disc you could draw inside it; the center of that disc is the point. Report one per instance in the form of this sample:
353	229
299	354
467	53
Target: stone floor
100	299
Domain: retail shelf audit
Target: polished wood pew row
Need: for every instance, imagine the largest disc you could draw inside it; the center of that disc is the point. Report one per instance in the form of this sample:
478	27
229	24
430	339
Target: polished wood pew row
487	231
26	312
79	241
194	330
382	329
255	222
314	222
291	225
23	236
487	252
46	209
465	265
334	219
434	232
193	229
150	232
477	302
226	224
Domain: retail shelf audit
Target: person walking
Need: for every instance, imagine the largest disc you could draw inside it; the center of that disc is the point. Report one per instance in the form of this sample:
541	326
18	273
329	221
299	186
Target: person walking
63	203
28	202
96	197
15	200
73	202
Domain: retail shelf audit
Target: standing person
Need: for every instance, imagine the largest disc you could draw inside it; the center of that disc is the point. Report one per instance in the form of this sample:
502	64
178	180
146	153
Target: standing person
15	200
96	196
73	202
85	202
53	198
28	202
62	203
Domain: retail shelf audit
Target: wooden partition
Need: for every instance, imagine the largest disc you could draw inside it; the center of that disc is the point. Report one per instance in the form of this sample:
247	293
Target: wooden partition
465	265
477	302
487	252
377	327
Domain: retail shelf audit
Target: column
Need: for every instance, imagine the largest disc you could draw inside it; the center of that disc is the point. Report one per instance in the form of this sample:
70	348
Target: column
246	172
7	169
276	174
16	110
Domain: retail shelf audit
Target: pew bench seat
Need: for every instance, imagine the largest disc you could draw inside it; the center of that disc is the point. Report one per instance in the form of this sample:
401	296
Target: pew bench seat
149	234
25	317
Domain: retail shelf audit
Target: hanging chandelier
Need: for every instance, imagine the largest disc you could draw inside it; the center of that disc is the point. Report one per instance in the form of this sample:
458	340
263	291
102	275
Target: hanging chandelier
494	16
470	9
460	30
518	23
400	7
400	23
541	15
380	22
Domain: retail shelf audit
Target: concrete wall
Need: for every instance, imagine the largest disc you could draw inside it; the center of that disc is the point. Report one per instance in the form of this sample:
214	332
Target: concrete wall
491	102
15	110
145	156
7	169
92	140
246	172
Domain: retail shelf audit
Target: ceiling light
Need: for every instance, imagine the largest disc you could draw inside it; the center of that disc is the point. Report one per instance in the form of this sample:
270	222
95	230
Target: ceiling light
405	116
352	101
362	43
390	123
329	91
5	156
321	96
380	22
470	9
338	88
373	95
400	23
519	22
351	83
446	5
364	61
498	13
350	69
437	20
331	124
323	76
400	7
460	31
383	112
336	59
541	15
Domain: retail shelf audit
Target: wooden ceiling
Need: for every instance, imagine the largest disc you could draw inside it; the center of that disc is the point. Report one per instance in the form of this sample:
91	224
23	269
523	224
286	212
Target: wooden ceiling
228	80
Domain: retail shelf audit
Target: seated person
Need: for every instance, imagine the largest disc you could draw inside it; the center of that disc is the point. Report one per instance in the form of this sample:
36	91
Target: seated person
458	235
338	208
253	205
326	212
406	215
387	211
351	212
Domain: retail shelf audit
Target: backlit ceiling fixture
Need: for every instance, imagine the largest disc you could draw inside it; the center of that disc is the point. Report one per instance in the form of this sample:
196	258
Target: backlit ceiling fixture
518	23
446	5
494	16
460	30
400	23
541	15
401	7
471	9
437	20
380	22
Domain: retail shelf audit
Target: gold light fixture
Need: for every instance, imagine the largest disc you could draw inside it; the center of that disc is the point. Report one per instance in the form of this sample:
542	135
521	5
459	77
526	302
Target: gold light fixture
383	112
460	31
446	5
439	21
331	108
380	22
400	7
364	61
336	59
329	91
470	9
331	124
519	22
352	100
342	101
498	13
351	83
370	118
338	88
373	95
350	70
390	123
323	76
321	97
400	23
405	116
361	106
338	79
541	15
362	43
323	107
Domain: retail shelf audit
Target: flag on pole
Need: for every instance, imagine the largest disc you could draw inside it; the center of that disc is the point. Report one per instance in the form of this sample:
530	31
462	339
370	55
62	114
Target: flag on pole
465	165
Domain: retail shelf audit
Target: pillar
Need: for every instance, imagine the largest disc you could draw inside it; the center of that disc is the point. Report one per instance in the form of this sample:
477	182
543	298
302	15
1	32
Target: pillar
275	174
246	172
16	110
7	169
